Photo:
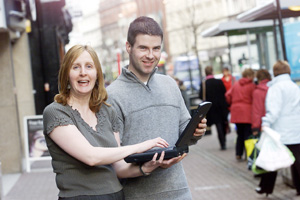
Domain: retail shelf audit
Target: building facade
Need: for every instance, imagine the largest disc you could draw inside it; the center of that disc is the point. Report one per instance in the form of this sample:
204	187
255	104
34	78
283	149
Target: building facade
116	15
32	39
187	19
16	91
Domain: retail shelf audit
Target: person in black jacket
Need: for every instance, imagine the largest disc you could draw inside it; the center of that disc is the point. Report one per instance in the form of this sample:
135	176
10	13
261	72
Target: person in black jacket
213	90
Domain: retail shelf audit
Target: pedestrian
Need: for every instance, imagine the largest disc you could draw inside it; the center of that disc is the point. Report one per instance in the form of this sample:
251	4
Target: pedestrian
228	79
81	131
239	97
215	93
258	100
151	105
183	91
283	115
258	111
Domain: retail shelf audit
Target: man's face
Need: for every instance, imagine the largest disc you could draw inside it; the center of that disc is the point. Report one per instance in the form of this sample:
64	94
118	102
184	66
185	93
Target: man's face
144	55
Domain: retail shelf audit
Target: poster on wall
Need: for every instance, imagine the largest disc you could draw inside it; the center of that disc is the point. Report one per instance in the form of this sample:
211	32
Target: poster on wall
35	143
292	44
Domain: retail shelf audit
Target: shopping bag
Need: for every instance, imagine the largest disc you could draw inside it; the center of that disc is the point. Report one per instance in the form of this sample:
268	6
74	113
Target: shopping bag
249	144
273	154
252	165
249	147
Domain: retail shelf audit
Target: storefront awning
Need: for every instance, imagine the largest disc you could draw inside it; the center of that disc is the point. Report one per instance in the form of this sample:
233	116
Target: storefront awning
269	11
235	27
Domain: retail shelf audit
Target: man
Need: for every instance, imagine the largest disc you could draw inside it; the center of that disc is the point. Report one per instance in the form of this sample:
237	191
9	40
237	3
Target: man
151	105
215	93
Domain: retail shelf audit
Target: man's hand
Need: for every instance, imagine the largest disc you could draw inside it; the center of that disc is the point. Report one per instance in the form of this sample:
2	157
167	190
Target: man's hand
168	163
200	130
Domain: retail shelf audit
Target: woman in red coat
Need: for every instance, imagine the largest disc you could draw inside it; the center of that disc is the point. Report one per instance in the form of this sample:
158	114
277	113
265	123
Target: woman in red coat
258	101
239	97
228	79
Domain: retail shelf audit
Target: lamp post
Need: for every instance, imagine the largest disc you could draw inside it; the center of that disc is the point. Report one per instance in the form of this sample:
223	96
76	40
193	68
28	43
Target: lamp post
281	29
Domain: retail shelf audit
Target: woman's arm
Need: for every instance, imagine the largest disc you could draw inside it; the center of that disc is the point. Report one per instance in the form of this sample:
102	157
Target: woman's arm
129	170
74	143
228	96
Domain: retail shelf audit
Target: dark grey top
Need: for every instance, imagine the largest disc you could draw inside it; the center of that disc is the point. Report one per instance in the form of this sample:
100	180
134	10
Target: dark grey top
73	177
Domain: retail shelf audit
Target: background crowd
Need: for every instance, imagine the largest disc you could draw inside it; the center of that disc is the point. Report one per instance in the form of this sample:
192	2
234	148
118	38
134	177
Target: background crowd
251	103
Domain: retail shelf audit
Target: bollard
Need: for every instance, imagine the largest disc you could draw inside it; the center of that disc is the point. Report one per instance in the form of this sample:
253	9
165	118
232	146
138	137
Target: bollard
1	188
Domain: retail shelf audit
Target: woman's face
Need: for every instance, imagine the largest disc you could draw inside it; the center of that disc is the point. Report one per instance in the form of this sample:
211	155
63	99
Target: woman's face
83	75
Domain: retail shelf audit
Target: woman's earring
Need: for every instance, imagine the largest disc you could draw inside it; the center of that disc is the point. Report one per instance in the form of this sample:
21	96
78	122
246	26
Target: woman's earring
69	86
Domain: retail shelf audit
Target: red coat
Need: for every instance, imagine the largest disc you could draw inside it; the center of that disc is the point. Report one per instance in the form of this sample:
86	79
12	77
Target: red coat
228	83
239	97
258	103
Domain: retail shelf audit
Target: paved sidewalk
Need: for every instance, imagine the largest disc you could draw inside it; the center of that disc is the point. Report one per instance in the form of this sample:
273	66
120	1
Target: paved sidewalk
212	174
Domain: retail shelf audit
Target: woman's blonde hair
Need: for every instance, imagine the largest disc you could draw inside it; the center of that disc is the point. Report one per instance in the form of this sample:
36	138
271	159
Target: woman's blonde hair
99	94
281	67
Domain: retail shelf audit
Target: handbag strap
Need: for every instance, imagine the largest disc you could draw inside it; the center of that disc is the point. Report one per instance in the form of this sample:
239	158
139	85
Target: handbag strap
203	90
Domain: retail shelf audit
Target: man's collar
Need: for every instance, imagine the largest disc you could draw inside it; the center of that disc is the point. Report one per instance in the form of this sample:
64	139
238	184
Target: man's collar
127	71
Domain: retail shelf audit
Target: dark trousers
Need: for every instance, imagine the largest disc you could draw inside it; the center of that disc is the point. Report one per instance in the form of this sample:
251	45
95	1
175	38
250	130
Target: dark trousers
295	168
221	129
267	182
243	132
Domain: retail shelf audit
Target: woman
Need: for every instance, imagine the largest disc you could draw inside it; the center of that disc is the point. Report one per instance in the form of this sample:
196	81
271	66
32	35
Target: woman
227	78
81	132
283	115
239	97
258	99
258	111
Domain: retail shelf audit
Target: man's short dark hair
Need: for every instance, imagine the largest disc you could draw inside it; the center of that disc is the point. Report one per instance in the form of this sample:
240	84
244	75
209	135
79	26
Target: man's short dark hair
143	25
209	70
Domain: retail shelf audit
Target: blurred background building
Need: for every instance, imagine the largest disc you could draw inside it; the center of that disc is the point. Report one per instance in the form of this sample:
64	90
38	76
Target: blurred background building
86	24
34	35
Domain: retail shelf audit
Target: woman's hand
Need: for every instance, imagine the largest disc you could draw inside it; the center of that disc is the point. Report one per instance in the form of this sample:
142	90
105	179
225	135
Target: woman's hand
255	133
149	144
151	165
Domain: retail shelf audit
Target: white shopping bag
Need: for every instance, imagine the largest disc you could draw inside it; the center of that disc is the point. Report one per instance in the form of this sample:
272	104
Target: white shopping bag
273	154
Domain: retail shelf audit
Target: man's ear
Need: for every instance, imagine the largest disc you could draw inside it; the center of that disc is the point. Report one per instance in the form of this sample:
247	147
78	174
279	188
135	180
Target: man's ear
128	47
